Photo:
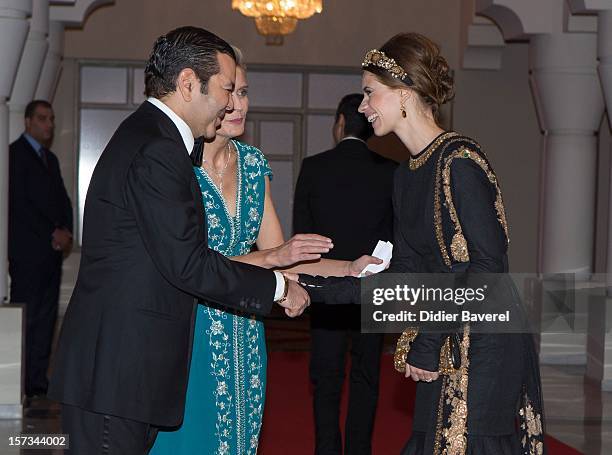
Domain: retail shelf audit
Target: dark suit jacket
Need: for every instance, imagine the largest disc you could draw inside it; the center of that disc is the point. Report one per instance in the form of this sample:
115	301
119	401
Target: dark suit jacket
38	203
125	345
345	194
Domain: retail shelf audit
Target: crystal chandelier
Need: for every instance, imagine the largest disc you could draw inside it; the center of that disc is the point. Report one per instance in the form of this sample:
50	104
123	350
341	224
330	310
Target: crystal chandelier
276	18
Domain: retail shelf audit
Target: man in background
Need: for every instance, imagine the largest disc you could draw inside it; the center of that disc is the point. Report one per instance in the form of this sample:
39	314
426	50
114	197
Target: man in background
345	194
40	236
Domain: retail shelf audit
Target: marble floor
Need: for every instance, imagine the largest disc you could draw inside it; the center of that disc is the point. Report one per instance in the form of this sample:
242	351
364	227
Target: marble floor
578	413
40	417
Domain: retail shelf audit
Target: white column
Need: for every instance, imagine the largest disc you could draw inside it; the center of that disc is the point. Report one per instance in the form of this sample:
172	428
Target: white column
603	356
13	31
4	189
30	67
604	52
570	106
599	348
49	75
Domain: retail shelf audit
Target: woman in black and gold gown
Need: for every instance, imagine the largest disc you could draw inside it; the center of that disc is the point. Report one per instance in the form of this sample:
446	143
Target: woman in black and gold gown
449	217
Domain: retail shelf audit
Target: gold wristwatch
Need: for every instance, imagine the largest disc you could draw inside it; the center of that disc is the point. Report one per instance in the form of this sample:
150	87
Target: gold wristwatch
284	297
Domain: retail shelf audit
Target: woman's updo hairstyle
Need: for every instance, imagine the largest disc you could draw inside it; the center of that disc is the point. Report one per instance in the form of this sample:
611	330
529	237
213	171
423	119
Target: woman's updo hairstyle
240	63
428	73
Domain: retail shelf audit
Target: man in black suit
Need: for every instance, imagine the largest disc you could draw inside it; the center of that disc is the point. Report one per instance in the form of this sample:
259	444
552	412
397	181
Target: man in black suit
124	351
40	234
345	194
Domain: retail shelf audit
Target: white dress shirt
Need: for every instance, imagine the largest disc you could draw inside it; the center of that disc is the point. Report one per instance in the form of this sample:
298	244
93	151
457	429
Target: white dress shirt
188	140
353	138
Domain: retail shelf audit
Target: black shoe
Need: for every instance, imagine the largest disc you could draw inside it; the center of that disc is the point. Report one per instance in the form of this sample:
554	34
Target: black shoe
36	393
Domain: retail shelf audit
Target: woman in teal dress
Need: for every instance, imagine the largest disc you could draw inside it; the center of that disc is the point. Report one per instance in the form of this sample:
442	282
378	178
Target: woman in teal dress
227	378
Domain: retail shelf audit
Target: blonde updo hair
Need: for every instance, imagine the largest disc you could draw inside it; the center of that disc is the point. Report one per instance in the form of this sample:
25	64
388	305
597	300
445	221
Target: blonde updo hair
240	63
428	72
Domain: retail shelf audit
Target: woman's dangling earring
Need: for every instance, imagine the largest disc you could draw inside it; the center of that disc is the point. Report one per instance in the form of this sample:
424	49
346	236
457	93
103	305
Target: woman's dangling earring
403	109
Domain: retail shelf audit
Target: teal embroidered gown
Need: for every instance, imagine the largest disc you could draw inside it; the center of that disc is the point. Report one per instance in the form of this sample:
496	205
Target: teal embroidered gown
227	379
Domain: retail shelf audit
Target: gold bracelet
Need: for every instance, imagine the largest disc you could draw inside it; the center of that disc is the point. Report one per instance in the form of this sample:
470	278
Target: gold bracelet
403	347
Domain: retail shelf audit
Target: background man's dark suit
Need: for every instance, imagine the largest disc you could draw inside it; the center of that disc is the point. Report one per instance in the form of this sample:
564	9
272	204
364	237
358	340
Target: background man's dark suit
344	194
126	339
38	204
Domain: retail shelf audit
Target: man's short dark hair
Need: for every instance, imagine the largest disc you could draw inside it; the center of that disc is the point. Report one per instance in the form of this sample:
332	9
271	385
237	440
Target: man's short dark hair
355	124
33	105
184	47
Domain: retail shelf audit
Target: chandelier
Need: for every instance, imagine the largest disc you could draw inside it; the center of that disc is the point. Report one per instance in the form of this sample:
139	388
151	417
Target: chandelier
276	18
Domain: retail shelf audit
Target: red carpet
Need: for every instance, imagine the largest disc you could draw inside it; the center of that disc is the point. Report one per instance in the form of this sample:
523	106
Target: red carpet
288	423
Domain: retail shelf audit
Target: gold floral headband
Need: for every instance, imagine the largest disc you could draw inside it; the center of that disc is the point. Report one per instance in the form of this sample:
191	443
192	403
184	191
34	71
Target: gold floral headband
379	59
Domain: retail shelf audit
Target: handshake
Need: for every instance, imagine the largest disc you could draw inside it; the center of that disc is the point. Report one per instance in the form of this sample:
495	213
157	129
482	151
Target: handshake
331	290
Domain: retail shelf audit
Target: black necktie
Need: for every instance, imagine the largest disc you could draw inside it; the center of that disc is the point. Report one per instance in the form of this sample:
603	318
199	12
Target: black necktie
43	155
197	152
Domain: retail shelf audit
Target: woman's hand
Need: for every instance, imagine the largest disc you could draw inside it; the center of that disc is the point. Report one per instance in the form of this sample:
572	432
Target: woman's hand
355	267
300	248
420	375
